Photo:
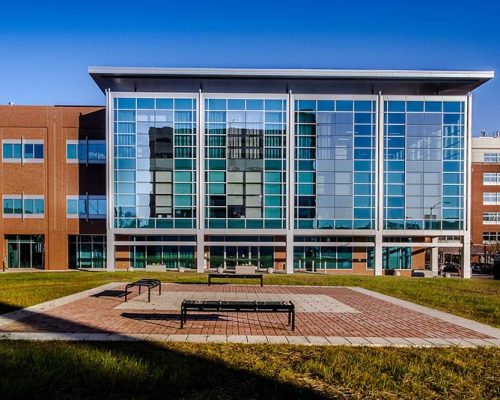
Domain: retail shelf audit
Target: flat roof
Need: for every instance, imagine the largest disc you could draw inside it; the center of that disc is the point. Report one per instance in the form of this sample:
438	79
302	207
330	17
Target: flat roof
298	80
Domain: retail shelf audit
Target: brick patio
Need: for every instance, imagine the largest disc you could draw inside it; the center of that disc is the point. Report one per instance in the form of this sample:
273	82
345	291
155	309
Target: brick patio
325	315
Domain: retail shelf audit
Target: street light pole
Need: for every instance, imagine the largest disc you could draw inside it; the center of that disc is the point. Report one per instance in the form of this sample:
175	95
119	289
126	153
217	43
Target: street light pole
434	206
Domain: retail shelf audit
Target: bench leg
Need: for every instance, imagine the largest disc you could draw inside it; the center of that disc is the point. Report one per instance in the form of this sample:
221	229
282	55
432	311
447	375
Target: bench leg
140	287
261	281
159	289
293	320
209	281
183	317
149	295
126	293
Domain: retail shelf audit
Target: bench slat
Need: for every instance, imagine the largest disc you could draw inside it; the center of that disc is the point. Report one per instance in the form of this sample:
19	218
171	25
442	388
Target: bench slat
238	306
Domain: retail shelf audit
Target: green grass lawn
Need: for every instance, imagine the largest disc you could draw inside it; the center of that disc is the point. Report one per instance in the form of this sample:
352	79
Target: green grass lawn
478	299
59	370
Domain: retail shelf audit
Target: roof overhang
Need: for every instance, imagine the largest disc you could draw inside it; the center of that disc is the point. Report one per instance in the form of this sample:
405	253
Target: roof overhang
335	81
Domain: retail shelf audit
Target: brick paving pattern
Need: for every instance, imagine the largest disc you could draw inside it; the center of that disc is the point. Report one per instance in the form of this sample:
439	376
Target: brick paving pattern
351	314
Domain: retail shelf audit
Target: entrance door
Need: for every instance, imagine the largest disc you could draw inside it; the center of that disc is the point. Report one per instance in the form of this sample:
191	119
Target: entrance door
24	255
139	260
230	256
309	259
13	255
397	258
25	251
98	256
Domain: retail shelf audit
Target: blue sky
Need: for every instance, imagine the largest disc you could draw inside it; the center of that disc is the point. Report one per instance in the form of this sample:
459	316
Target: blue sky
46	47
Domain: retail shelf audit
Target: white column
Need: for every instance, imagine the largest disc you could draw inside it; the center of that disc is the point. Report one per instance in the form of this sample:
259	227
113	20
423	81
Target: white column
379	187
435	257
200	253
466	271
378	254
290	182
110	251
200	183
110	164
289	252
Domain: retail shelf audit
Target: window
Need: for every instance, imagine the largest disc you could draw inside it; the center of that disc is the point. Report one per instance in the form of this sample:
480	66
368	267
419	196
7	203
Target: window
18	150
334	149
491	218
91	207
245	170
492	157
87	251
86	151
29	206
490	198
491	178
491	237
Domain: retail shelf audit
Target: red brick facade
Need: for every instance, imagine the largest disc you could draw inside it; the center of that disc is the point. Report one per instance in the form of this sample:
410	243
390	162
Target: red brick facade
478	208
54	178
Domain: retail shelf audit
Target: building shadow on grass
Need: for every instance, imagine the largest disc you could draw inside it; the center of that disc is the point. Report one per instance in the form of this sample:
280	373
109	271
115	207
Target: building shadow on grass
127	368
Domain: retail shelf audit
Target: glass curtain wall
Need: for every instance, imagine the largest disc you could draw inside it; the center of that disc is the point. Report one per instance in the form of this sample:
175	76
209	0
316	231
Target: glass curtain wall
230	256
87	251
397	258
313	258
424	165
334	164
245	163
155	162
168	256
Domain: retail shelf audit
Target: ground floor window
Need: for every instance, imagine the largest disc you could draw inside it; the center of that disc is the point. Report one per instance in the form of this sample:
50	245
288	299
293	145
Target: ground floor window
312	258
87	251
169	256
396	258
25	251
230	256
491	237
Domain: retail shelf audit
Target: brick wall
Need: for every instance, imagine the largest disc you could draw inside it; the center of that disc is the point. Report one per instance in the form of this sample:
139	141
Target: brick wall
54	178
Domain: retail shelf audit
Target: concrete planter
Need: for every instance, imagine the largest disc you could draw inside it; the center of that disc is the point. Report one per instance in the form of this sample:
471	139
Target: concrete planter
270	270
181	269
220	270
396	272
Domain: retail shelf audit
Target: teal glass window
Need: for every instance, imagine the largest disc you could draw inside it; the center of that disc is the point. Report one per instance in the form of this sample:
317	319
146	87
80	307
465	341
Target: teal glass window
29	206
72	206
146	104
72	151
126	103
8	206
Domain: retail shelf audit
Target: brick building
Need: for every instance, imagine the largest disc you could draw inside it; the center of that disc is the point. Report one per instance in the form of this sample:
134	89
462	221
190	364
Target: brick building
52	158
485	213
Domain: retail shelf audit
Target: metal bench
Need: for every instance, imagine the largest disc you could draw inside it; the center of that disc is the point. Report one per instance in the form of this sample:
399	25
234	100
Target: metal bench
149	283
238	306
233	275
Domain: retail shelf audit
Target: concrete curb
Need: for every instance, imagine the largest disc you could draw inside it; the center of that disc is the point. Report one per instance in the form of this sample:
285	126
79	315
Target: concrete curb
242	339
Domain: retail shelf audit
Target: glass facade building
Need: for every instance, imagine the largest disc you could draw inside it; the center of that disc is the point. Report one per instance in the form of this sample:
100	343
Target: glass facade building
154	162
305	171
245	144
